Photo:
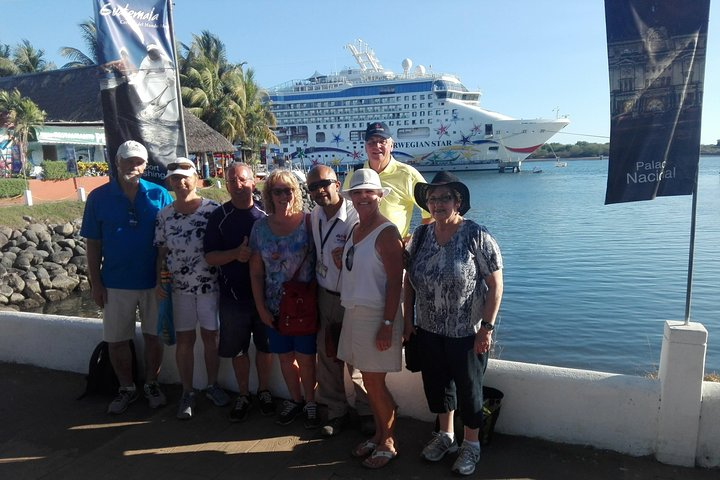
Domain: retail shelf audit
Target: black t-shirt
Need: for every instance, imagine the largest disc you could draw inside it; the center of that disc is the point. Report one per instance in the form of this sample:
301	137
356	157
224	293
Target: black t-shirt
226	229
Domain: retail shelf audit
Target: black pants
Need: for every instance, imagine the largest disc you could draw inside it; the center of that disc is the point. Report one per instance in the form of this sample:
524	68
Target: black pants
452	376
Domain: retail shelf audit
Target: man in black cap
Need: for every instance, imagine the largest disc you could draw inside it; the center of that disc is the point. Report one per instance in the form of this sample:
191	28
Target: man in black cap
399	177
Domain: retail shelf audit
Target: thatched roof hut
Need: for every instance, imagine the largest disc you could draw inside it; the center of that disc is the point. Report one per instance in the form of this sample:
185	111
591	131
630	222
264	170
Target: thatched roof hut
71	97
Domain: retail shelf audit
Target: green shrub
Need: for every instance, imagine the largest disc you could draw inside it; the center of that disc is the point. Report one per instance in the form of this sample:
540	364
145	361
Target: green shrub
55	170
12	187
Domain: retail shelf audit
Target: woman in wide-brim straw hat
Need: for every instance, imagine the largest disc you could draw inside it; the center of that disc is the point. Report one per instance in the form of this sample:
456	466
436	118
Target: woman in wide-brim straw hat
371	338
453	290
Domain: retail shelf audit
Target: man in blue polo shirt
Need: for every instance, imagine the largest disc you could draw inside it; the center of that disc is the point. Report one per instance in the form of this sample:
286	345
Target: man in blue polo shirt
119	225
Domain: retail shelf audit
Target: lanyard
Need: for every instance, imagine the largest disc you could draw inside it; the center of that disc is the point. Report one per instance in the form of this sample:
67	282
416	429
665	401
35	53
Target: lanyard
323	241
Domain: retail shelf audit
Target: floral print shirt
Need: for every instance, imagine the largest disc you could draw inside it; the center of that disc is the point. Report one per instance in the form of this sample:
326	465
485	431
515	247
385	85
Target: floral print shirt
183	236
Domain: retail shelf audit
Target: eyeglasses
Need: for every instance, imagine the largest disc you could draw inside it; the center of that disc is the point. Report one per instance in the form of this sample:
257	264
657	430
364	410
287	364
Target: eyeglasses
320	184
132	218
379	141
181	166
442	199
349	258
281	191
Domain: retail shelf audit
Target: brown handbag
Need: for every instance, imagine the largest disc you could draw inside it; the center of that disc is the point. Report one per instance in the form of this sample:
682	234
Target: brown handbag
298	305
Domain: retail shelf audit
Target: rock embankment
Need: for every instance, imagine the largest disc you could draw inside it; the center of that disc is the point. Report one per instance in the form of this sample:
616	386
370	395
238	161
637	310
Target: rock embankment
41	263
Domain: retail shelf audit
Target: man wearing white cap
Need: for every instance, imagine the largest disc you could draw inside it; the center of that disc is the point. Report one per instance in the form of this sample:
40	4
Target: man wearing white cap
179	233
119	225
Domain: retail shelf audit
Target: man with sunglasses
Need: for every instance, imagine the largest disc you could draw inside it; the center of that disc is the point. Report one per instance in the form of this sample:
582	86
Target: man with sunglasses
119	225
399	177
332	220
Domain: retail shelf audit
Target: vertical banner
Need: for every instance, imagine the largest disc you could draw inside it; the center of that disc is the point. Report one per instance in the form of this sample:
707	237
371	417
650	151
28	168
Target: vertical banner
138	80
656	58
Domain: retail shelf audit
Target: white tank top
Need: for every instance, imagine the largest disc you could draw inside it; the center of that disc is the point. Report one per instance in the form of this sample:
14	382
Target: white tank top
365	283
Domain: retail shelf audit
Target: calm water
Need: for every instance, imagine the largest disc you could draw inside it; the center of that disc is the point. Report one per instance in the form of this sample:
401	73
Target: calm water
587	285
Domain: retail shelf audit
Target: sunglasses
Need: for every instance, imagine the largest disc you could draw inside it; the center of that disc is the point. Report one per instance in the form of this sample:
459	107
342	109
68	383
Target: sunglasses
181	166
281	191
132	218
320	184
349	258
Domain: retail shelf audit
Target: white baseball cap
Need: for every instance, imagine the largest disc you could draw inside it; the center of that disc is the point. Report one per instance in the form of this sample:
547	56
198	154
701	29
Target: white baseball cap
181	166
132	149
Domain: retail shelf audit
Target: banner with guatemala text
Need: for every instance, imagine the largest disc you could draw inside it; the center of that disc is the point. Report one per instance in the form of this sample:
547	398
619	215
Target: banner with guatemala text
138	81
656	58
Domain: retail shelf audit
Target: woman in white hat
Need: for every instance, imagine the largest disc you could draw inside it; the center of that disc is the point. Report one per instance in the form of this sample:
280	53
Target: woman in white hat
371	338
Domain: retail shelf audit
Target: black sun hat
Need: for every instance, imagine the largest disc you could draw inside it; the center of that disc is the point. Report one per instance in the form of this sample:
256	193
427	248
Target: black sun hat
445	179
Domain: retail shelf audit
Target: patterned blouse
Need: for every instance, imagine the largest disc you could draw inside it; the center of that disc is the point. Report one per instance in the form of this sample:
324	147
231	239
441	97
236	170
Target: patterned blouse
183	236
449	280
281	256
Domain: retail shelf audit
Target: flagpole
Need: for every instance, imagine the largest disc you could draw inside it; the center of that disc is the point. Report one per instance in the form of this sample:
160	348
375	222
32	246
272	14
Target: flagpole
692	247
178	93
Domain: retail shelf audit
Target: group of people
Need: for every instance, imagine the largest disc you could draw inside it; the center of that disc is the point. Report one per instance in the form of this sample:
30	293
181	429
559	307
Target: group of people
378	286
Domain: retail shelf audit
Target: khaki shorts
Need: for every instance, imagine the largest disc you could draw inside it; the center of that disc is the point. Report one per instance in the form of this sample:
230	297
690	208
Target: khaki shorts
190	310
121	313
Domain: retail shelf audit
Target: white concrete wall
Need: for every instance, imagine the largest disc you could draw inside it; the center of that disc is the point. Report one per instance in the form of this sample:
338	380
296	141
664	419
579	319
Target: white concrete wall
609	411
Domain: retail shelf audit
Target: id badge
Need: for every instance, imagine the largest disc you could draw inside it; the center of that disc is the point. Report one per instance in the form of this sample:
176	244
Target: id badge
321	269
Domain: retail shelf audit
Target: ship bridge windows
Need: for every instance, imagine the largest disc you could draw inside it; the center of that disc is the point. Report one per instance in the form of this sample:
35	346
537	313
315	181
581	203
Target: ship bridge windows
357	135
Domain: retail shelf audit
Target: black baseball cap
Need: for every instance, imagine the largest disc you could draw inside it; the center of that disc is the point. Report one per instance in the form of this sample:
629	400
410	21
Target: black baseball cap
377	129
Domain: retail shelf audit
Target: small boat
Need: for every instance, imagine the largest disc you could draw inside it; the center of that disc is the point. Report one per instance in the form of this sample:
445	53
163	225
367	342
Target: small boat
558	163
537	170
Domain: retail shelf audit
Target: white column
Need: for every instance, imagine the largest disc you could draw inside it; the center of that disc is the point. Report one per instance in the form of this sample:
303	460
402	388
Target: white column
81	194
28	198
682	366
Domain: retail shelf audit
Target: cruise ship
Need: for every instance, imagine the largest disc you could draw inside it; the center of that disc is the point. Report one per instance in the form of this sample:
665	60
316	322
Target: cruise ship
436	122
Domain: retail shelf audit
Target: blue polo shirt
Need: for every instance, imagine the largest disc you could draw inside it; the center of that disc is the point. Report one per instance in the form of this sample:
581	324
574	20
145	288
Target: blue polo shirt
127	230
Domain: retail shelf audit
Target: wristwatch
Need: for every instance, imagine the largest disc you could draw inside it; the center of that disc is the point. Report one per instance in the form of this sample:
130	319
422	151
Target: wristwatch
387	322
487	326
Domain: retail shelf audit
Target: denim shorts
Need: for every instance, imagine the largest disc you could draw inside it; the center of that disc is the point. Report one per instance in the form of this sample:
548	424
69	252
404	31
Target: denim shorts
305	344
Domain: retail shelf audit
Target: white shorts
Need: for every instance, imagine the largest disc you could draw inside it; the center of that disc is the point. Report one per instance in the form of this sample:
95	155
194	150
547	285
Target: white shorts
121	313
190	310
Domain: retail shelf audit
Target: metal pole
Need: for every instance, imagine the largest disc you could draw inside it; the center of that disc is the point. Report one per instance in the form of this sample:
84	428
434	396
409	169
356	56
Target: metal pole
691	255
178	93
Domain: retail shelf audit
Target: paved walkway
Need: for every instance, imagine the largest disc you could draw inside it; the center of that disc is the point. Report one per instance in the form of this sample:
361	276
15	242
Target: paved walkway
46	433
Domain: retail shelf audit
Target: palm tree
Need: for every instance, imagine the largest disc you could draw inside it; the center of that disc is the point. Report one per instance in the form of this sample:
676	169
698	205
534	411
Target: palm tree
7	67
258	116
77	57
28	59
19	115
222	95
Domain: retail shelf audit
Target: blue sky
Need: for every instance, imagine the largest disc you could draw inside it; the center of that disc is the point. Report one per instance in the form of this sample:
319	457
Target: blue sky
528	57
